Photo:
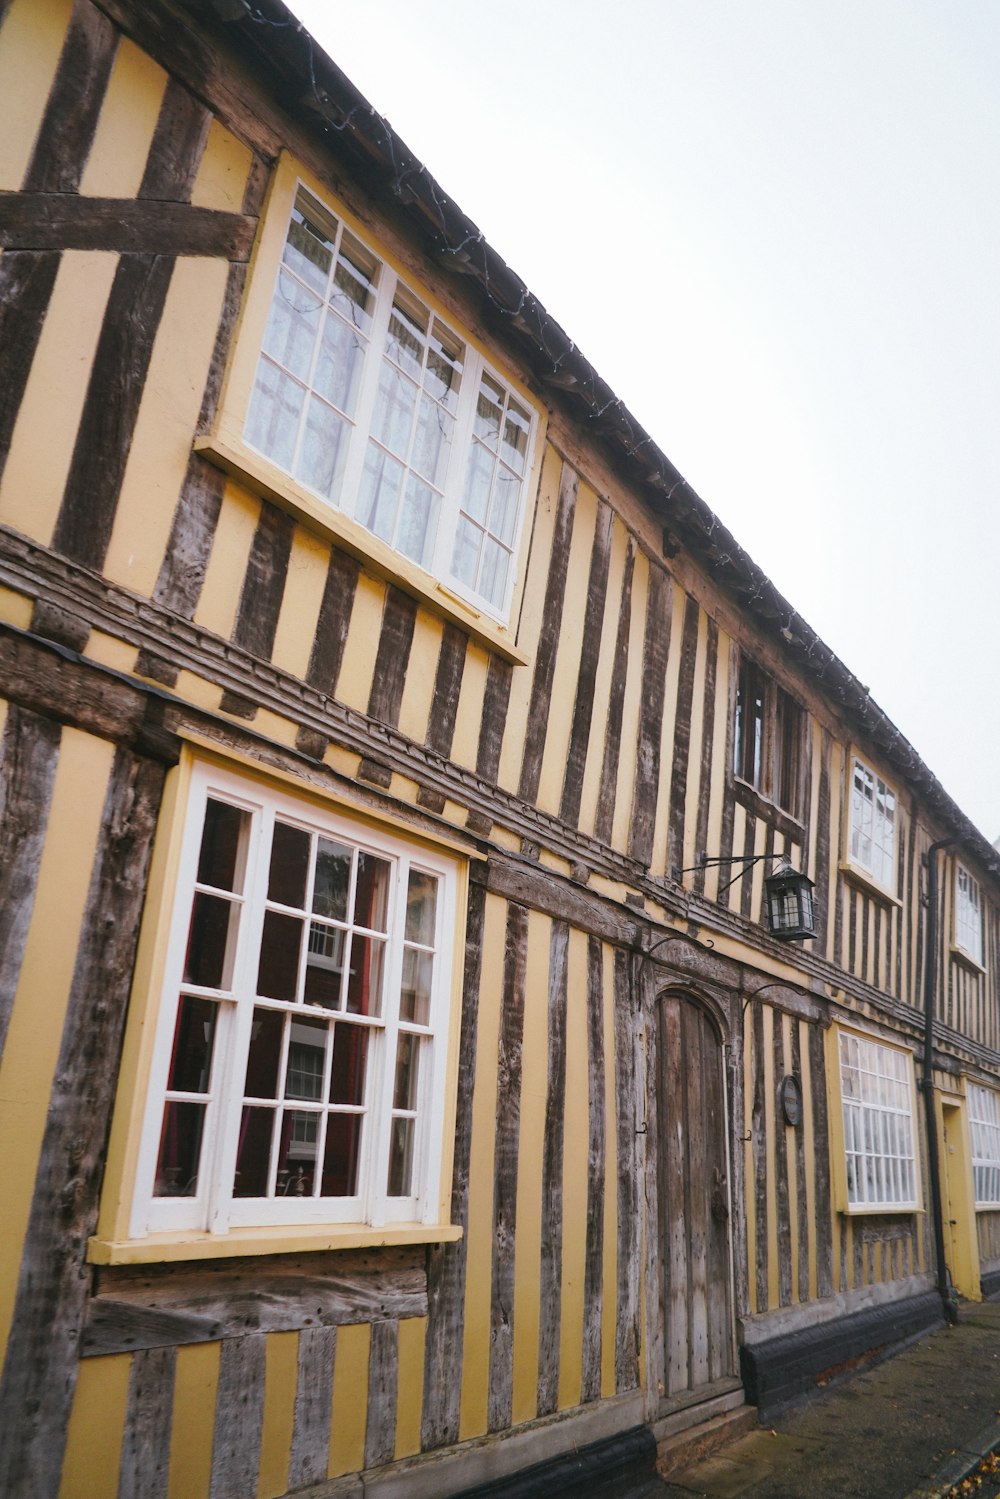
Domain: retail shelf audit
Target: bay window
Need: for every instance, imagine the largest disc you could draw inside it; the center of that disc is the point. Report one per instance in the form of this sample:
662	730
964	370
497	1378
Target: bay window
876	1089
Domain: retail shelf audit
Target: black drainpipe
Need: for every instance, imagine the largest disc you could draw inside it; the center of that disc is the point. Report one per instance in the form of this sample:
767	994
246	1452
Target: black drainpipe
948	1301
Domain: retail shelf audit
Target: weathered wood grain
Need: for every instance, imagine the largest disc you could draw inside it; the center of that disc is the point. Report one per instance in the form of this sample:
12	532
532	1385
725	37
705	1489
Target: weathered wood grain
261	595
821	871
697	1194
821	1164
682	738
205	1301
656	647
182	571
232	301
66	134
494	720
145	1457
550	1267
398	619
447	689
548	638
707	747
607	794
333	623
727	824
782	1204
537	887
590	650
29	754
501	1374
111	407
310	1451
239	1412
176	149
673	1215
593	1278
629	1111
50	221
801	1198
383	1383
26	282
759	1127
40	1370
446	1263
744	874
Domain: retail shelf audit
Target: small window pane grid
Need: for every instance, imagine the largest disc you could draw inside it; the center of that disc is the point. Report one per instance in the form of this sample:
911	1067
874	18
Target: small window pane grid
367	398
878	1125
873	825
984	1126
766	737
968	915
306	1045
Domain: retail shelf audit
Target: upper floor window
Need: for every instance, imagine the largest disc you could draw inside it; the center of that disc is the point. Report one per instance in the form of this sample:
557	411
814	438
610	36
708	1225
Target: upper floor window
371	401
301	1058
877	1097
767	737
968	915
984	1125
872	824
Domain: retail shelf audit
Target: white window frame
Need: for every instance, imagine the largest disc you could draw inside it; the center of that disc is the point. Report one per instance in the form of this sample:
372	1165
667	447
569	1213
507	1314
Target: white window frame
387	285
968	914
879	1125
871	824
984	1131
214	1208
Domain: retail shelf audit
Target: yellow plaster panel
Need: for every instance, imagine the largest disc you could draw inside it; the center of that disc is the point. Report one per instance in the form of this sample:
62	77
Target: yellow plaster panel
602	681
32	41
534	1081
576	1164
567	665
96	1424
469	718
300	605
609	1319
197	691
280	1382
192	1430
415	708
678	601
41	449
631	706
409	1399
36	1023
554	862
168	415
227	565
357	669
125	128
3	714
530	622
503	838
273	726
110	651
16	608
350	1399
223	171
344	761
479	1232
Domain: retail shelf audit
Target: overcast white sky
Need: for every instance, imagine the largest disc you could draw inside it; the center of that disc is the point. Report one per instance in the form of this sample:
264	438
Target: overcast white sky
774	229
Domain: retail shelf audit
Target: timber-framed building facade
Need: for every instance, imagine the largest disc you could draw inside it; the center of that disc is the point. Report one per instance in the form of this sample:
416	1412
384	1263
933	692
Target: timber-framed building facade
393	1097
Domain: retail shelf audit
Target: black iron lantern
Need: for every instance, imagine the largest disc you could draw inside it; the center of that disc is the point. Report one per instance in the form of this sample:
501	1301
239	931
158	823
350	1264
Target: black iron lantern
788	896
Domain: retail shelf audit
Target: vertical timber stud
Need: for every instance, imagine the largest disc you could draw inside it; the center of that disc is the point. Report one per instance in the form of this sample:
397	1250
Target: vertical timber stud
593	1297
550	1273
39	1376
548	639
145	1457
239	1414
629	1225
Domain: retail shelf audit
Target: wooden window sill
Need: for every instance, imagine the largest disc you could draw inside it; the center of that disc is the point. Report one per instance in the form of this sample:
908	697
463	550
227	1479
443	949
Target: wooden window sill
185	1245
866	882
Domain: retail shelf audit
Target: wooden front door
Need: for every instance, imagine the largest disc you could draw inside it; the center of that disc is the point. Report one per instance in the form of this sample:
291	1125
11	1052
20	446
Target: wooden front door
694	1200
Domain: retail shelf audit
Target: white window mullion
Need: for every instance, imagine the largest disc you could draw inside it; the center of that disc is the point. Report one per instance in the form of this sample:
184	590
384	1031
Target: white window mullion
368	394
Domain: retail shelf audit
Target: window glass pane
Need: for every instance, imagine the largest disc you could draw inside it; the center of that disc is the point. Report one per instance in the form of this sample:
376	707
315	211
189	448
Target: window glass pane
514	448
180	1148
194	1038
444	369
306	1059
211	942
478	478
407	331
506	497
308	249
289	867
221	861
407	1065
264	1056
493	577
324	966
364	988
293	326
354	284
421	907
465	559
333	876
418	521
253	1154
281	940
401	1158
340	1160
297	1145
339	365
381	485
394	408
324	449
432	442
350	1055
275	411
371	898
489	410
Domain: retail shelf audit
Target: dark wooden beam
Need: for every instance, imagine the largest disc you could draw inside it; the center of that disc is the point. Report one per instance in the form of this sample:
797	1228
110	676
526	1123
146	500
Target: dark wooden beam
57	221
